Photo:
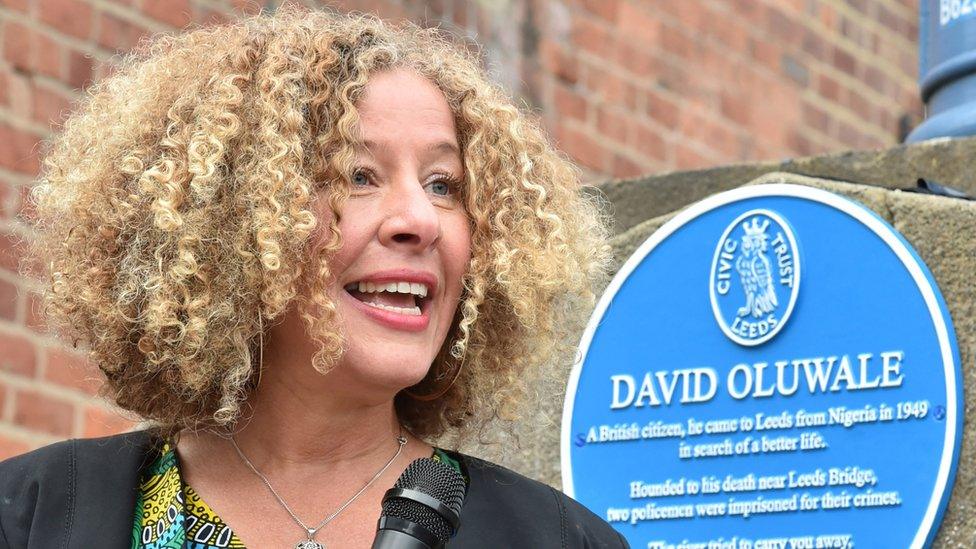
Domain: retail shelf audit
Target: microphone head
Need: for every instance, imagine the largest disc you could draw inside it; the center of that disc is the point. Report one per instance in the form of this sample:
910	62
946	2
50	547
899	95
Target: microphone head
437	480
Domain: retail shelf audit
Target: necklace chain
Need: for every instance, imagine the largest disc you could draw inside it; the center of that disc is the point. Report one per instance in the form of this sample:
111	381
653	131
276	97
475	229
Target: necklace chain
310	532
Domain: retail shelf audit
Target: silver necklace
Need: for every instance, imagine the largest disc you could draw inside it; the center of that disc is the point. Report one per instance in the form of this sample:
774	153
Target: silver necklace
309	542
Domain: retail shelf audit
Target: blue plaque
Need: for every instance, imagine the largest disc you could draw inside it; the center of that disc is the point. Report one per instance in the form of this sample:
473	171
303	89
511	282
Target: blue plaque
773	368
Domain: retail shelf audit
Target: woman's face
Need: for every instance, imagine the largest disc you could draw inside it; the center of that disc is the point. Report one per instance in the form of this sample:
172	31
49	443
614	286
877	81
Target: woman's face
406	240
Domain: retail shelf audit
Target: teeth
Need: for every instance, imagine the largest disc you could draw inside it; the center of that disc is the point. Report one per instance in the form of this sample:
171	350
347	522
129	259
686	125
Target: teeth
393	287
412	311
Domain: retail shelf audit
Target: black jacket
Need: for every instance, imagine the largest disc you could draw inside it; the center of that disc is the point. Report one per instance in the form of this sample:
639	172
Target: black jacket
82	494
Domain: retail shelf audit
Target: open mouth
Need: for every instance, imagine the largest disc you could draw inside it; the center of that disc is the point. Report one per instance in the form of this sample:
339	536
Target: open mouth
405	298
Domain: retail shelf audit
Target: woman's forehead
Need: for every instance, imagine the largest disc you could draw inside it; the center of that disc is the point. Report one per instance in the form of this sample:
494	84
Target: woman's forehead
400	105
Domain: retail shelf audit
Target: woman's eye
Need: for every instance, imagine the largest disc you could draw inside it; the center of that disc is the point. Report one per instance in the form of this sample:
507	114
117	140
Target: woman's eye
360	179
441	188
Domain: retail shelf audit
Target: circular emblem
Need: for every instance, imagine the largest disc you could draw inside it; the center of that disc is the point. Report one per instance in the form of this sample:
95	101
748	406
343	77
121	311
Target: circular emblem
755	277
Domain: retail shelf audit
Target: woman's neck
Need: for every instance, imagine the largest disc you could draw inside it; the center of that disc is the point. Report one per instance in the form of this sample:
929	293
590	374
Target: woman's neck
296	425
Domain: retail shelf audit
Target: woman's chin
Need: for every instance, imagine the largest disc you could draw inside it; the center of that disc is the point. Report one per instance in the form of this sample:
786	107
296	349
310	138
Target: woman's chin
388	372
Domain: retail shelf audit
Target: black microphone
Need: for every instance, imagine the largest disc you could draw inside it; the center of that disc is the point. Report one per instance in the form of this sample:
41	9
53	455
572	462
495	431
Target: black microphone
423	509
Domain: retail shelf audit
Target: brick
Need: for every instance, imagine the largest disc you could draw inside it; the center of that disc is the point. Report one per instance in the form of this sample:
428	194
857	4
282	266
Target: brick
9	300
766	52
563	66
119	34
624	167
71	370
613	124
4	83
460	13
592	37
50	106
73	17
687	158
611	88
844	61
878	80
604	9
45	413
16	5
661	109
735	37
19	355
48	56
80	69
814	44
735	107
17	46
18	93
815	118
10	447
568	103
649	143
689	14
18	153
721	139
584	148
782	27
800	144
636	25
674	41
100	421
637	60
828	88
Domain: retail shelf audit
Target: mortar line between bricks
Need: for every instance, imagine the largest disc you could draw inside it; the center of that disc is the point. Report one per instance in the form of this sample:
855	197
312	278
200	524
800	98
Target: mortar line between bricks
23	283
29	436
18	122
83	45
17	178
50	388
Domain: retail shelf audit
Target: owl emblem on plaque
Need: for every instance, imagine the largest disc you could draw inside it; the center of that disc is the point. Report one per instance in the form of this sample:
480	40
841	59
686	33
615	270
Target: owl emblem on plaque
755	277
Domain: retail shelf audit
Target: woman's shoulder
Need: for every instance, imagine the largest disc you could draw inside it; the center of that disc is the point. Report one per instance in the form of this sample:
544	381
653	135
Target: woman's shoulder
66	454
71	487
506	509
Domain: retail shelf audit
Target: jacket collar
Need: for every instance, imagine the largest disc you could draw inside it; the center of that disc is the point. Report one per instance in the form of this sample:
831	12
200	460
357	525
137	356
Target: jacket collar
103	482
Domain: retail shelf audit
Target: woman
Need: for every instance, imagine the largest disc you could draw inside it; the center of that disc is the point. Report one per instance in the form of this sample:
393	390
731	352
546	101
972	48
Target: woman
301	246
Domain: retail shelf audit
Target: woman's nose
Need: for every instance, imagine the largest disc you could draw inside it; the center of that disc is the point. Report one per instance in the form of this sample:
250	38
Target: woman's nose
410	218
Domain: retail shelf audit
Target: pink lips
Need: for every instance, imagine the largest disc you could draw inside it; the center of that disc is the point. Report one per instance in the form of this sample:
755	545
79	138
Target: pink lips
397	321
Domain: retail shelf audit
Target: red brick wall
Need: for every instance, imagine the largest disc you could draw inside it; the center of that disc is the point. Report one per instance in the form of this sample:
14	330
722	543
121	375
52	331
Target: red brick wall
626	87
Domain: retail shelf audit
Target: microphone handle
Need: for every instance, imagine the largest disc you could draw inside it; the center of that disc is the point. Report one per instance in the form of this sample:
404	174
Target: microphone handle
394	539
397	533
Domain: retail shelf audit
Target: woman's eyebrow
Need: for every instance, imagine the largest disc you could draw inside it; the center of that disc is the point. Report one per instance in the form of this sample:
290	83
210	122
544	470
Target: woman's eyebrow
444	146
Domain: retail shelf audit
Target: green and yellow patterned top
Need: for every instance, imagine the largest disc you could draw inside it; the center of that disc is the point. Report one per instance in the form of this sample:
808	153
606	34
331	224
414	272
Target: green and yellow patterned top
170	515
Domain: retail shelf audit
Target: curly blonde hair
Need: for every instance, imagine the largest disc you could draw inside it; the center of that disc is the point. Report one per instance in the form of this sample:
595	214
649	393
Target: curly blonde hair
175	214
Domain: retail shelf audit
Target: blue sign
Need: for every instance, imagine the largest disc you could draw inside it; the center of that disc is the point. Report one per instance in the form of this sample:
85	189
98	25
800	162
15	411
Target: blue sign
774	367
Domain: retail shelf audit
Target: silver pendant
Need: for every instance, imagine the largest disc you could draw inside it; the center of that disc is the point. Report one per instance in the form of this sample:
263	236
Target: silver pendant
309	544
